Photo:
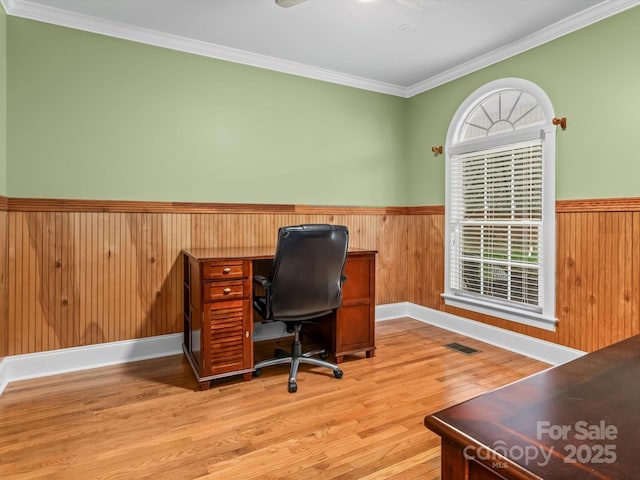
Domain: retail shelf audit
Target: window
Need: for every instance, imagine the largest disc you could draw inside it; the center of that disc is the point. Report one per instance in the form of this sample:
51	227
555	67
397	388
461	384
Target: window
500	204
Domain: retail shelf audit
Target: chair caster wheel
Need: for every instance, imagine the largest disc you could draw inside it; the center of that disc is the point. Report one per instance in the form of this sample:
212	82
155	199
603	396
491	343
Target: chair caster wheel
257	372
324	355
338	373
293	387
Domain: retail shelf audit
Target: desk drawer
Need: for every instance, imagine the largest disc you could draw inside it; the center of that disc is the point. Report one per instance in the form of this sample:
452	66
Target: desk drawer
219	270
215	291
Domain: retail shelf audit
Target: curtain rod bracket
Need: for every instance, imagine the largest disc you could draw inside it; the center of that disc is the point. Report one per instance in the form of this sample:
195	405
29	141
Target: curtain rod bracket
560	121
437	150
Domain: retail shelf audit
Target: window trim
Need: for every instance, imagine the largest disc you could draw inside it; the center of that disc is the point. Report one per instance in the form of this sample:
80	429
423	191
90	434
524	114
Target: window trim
547	132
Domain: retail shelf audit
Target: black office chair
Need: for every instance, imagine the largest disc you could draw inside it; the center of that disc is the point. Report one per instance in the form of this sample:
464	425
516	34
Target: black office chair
305	284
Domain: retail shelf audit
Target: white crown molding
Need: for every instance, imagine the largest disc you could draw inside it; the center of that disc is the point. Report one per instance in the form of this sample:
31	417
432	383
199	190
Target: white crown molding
43	13
7	5
47	14
568	25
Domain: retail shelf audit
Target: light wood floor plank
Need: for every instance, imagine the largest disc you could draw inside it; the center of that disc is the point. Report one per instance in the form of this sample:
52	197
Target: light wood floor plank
147	420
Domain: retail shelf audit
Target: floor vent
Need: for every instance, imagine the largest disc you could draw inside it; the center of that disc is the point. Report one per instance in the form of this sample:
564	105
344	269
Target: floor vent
458	347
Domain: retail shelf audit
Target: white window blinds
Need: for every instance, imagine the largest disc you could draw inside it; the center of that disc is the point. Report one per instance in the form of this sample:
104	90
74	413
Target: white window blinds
496	225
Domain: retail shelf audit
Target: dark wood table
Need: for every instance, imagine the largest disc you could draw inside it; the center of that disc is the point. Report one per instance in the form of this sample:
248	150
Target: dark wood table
580	420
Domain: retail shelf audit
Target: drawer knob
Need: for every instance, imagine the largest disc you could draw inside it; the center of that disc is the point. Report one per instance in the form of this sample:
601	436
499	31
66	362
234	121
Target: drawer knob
226	270
226	291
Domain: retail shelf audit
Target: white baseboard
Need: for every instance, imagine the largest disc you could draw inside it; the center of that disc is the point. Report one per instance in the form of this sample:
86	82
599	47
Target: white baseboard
392	310
544	351
53	362
4	377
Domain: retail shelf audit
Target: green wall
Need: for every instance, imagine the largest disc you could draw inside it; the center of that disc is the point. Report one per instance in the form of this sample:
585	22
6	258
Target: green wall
93	117
592	77
3	101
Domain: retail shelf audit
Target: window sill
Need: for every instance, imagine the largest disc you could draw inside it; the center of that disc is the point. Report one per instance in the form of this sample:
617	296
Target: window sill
533	319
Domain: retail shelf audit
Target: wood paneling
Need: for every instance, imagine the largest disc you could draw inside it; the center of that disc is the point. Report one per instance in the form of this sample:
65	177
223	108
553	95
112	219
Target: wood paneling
3	279
84	272
597	277
599	205
426	210
86	277
73	205
426	266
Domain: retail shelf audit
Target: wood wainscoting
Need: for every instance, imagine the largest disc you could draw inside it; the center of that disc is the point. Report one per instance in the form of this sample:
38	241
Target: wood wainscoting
3	278
597	272
82	272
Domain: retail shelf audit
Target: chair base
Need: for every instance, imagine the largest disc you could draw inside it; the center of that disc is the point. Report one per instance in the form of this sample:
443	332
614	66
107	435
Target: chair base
296	358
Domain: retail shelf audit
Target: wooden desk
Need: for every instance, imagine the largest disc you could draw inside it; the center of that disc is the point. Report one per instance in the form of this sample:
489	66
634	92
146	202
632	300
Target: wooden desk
539	424
218	310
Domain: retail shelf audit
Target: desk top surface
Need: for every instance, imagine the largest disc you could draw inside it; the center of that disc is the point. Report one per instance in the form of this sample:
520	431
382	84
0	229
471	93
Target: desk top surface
254	253
577	420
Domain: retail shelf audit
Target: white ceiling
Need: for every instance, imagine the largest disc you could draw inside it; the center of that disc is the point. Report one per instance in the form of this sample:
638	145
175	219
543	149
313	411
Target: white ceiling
400	47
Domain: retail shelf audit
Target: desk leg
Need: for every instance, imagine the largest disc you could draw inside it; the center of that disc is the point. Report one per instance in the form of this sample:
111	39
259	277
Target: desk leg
205	385
369	354
452	463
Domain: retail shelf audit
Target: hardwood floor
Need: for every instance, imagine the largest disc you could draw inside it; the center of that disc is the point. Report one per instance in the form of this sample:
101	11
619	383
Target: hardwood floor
145	420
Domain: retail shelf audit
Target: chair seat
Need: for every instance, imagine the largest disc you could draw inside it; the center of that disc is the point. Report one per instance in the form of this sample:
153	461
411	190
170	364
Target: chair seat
260	304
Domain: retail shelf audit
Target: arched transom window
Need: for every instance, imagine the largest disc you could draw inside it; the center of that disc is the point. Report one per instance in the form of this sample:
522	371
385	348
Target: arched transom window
500	204
503	111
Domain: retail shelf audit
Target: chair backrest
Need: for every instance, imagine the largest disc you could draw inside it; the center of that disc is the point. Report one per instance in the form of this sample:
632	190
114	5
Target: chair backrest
308	270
